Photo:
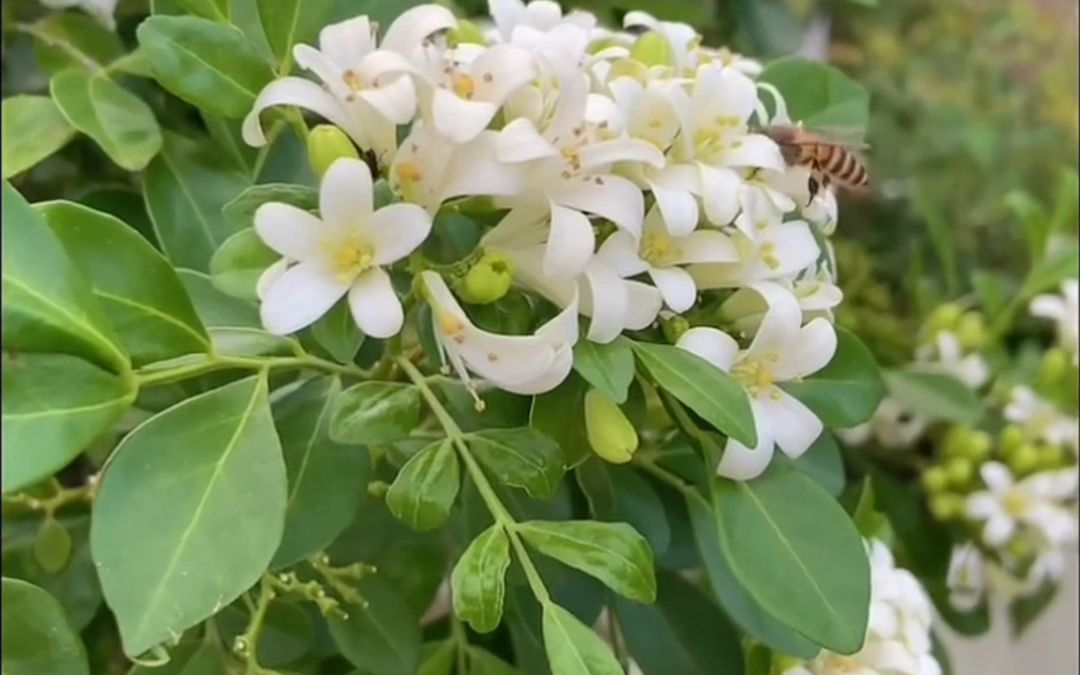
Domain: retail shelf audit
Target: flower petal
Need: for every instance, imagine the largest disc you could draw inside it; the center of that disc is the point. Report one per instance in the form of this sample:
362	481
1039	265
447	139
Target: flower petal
779	329
998	530
347	42
676	285
291	231
620	252
375	306
473	170
755	150
413	26
458	119
305	94
719	193
644	304
706	246
501	70
605	300
814	349
299	297
519	141
601	155
396	231
615	198
742	463
678	206
570	243
795	427
996	476
323	66
345	195
395	101
269	276
711	344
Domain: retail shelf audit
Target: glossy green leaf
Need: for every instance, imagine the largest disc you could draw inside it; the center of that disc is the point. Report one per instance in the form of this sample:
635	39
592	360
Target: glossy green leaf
199	486
337	333
37	638
288	631
614	553
846	392
607	367
822	462
426	486
185	188
798	553
708	391
382	638
290	22
327	480
478	583
485	663
619	494
240	212
238	263
33	128
208	9
372	413
74	40
683	633
819	95
136	287
934	395
45	425
208	64
573	648
47	303
118	121
52	548
560	415
523	458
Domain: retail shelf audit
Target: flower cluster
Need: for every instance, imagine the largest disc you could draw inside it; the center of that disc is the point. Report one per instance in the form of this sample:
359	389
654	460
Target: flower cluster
631	176
898	635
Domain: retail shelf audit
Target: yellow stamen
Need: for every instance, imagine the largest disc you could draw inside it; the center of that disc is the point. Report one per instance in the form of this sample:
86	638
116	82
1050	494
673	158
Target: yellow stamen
657	248
452	327
351	258
464	85
352	80
1016	503
408	172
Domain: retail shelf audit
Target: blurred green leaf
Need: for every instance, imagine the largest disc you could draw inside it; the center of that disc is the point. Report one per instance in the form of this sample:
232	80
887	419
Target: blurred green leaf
37	638
383	638
823	463
934	395
609	367
33	129
290	22
818	95
1024	610
846	392
573	648
65	40
560	414
373	413
240	212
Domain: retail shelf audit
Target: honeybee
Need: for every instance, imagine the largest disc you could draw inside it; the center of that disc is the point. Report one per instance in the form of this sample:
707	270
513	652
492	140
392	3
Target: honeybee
829	160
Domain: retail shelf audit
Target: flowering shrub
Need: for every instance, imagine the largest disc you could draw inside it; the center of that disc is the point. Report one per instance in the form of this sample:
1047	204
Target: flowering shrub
408	343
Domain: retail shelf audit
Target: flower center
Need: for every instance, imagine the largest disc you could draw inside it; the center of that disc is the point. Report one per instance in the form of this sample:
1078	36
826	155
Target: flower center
755	376
352	80
657	248
408	176
452	327
351	258
464	85
1016	503
767	252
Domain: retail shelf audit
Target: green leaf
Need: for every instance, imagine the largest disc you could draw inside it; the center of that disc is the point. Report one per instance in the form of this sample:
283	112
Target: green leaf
65	40
607	367
47	304
426	487
990	290
619	494
819	95
208	9
33	129
199	486
383	638
290	22
1025	609
240	212
846	392
37	638
522	457
238	263
614	553
287	633
118	121
797	552
573	648
708	391
477	584
560	414
46	425
326	480
373	413
338	333
438	658
870	523
683	633
1034	222
185	188
208	64
934	395
52	548
1052	270
485	663
823	463
136	287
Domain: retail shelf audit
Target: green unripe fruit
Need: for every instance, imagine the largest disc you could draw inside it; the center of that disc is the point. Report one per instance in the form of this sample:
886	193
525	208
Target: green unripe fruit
971	331
944	317
1019	548
935	479
327	144
609	432
946	506
1055	365
1052	457
979	444
464	33
674	328
955	443
1024	459
1012	436
52	547
652	49
960	471
488	280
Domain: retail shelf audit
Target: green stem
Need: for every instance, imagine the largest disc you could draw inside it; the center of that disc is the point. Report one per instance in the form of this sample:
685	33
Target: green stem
461	642
255	625
215	363
668	478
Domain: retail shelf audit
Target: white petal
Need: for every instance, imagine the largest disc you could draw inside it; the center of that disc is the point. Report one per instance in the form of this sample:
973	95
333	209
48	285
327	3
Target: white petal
676	285
299	297
620	252
345	43
711	344
723	92
755	150
719	193
779	329
982	506
547	380
269	276
599	156
291	231
396	231
998	530
996	476
607	302
458	119
742	463
679	208
794	247
323	66
473	170
345	195
616	199
395	101
795	427
1055	523
813	351
414	25
305	94
519	141
706	246
500	70
570	243
374	304
644	305
1048	307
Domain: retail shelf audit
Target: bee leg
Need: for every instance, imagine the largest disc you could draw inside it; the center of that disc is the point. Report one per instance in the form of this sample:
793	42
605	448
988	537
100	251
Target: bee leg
813	186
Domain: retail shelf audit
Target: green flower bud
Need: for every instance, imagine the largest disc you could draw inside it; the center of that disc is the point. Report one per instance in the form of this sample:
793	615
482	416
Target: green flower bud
1052	457
629	68
377	489
955	443
1019	548
946	506
488	280
1024	459
652	49
464	33
601	45
1011	438
978	447
971	331
674	328
609	432
960	471
944	317
327	144
935	479
1055	365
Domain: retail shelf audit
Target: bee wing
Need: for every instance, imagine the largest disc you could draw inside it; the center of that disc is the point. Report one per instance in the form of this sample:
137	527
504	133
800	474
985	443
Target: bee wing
850	138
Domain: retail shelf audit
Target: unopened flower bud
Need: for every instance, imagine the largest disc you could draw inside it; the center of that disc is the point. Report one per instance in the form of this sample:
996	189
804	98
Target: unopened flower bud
629	68
464	33
978	446
377	489
956	441
946	506
971	331
486	281
1011	438
1023	459
326	145
935	479
944	317
674	328
960	471
652	49
1052	457
609	432
1055	364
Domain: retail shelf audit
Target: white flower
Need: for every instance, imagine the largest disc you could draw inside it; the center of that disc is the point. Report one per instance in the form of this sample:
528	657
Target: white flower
1041	419
778	252
661	256
1036	502
340	253
946	356
817	295
966	579
1049	567
1064	310
102	10
783	350
368	90
681	37
521	364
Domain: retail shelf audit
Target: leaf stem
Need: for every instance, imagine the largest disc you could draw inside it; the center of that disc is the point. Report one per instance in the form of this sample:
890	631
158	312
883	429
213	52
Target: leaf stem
247	644
668	478
216	362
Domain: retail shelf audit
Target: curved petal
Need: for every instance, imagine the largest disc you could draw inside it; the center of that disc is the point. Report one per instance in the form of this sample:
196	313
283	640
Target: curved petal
500	70
269	276
620	252
996	476
414	25
299	297
644	305
676	285
755	150
291	231
305	94
982	506
706	246
607	302
723	92
711	344
570	243
325	67
779	329
603	154
742	463
395	101
719	193
396	231
998	530
794	426
347	42
793	246
548	379
813	350
679	208
458	119
473	170
345	195
614	198
519	141
374	304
